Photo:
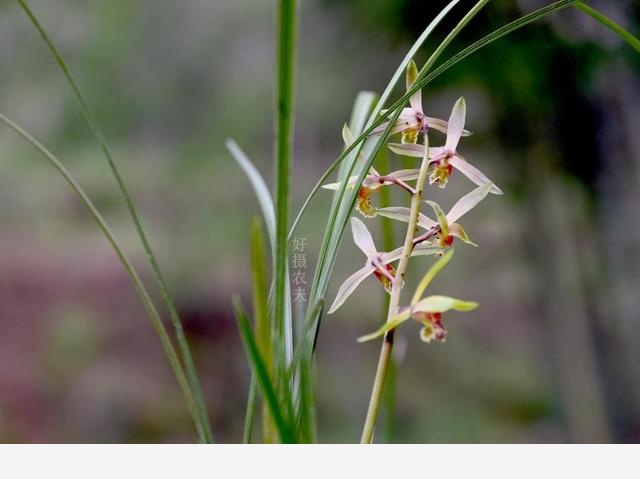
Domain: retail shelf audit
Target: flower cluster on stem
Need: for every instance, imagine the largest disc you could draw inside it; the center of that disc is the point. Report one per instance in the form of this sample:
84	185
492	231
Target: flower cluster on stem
424	235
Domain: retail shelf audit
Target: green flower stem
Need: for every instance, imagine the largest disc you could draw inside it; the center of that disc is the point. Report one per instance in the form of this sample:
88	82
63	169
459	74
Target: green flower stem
154	316
394	302
388	243
155	267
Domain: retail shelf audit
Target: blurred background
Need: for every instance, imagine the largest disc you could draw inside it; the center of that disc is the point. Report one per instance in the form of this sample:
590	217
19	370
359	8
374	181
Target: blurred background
551	355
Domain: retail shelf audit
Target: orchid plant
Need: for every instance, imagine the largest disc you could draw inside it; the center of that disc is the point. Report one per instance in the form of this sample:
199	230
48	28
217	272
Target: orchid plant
281	355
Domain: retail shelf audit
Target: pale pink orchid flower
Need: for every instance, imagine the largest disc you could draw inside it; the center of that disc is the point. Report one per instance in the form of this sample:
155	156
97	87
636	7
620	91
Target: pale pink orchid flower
412	120
372	181
377	263
375	180
448	228
427	311
445	158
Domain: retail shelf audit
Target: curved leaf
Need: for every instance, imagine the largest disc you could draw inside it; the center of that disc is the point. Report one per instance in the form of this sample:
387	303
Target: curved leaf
350	285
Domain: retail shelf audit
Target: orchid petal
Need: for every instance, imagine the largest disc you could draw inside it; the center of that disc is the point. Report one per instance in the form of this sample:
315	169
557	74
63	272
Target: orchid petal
471	172
437	152
416	150
412	74
372	182
442	304
350	285
408	114
442	218
404	175
456	124
430	275
348	139
423	249
442	126
362	238
334	186
389	325
458	231
468	202
407	149
398	126
401	213
347	136
407	119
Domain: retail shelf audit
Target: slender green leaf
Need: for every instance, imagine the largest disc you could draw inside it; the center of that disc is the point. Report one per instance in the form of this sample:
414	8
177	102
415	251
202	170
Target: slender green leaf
133	213
252	399
266	205
259	187
263	326
302	360
147	302
262	376
286	52
631	40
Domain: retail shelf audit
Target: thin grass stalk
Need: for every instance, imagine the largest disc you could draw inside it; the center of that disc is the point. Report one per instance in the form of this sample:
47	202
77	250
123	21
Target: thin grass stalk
394	301
261	320
155	267
147	302
450	37
610	24
286	53
280	413
250	412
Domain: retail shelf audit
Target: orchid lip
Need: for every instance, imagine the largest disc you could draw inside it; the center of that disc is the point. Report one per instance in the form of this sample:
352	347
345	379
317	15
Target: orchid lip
379	265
